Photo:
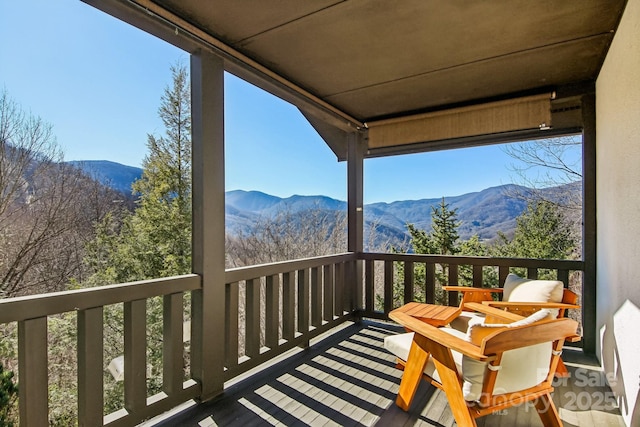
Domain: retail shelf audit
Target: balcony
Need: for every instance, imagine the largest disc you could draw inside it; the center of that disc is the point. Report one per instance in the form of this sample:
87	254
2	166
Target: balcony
294	345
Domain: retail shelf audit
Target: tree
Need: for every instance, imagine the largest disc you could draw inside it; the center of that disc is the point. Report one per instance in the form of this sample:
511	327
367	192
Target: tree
442	240
541	232
444	229
46	214
288	235
155	240
551	171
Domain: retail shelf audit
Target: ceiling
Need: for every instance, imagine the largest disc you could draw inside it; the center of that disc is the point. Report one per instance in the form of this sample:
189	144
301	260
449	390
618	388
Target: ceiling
377	59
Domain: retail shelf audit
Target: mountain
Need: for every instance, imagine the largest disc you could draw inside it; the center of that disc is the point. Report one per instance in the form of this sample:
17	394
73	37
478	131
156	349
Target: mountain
484	213
115	175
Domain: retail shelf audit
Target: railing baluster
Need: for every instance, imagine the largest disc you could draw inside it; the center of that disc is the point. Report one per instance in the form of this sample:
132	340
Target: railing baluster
339	289
388	286
328	281
369	285
272	317
172	343
503	272
430	283
252	311
532	273
135	355
288	306
316	297
408	281
231	325
303	301
90	380
477	276
32	369
452	299
563	276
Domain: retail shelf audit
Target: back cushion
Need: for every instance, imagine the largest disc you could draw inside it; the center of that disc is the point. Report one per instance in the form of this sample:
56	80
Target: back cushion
517	289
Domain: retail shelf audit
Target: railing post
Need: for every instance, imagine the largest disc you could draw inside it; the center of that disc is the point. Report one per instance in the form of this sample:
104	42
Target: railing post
172	344
33	388
90	354
135	355
408	281
208	310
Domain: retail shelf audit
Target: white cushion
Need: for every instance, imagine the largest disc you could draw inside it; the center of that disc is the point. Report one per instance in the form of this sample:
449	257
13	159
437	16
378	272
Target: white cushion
400	344
521	368
517	289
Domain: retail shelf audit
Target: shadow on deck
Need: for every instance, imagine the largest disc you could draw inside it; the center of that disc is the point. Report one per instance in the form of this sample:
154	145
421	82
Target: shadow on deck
348	379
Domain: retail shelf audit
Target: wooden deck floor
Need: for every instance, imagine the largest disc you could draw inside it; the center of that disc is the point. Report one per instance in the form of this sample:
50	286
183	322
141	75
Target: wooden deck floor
349	379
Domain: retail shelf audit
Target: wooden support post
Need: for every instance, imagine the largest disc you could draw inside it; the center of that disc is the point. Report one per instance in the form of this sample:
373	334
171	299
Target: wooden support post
355	214
590	334
208	310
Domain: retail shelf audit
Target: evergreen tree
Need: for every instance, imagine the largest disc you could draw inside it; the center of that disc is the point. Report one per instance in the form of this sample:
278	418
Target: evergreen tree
541	232
154	241
444	229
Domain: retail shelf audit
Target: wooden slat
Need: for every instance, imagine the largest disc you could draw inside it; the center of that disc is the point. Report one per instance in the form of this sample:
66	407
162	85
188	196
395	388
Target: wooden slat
272	315
172	344
477	276
503	272
430	283
552	264
34	306
388	286
453	280
532	273
339	289
303	301
328	283
32	365
90	367
288	306
263	270
252	316
316	297
369	284
563	276
231	325
408	281
135	355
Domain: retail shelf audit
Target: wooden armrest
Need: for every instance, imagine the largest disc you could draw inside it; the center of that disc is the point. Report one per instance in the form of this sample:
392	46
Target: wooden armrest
471	289
531	305
502	315
524	336
438	336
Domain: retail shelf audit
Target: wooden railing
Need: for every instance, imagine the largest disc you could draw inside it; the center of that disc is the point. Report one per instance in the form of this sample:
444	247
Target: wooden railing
310	295
269	309
32	313
381	269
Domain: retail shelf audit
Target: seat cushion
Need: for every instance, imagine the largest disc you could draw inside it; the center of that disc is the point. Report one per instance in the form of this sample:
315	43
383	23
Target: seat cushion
520	368
473	371
517	289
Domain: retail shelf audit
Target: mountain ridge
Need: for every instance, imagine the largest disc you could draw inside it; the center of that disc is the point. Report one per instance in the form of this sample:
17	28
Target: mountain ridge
484	212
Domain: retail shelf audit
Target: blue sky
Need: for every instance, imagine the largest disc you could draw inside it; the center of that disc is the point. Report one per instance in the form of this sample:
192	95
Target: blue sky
98	81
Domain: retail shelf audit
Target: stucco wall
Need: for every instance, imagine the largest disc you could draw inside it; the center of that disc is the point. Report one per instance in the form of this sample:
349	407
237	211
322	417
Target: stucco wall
618	212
